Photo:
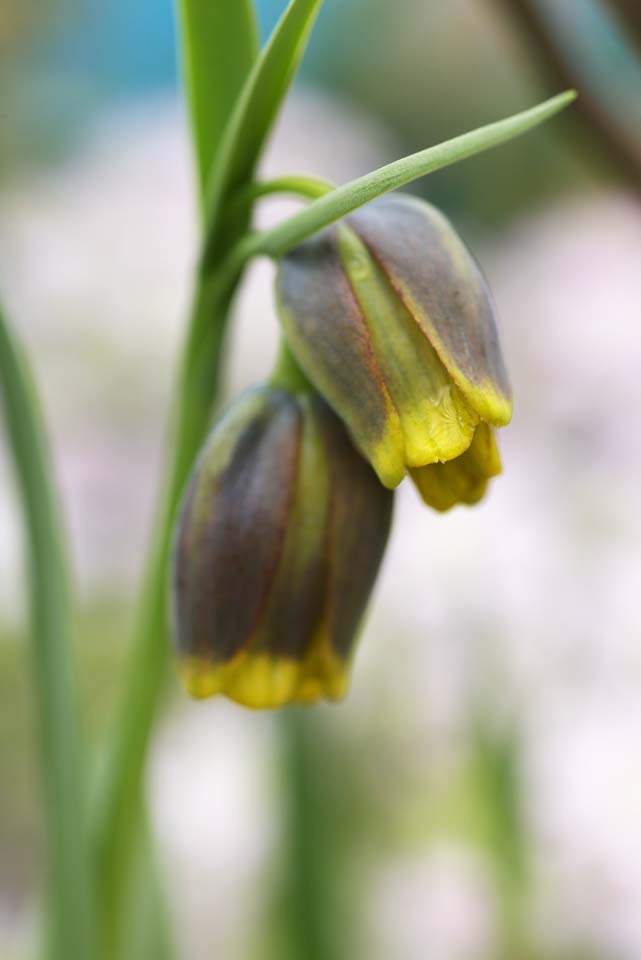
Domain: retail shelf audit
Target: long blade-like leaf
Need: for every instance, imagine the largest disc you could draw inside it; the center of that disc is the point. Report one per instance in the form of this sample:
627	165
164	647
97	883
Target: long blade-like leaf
341	201
252	120
219	45
71	922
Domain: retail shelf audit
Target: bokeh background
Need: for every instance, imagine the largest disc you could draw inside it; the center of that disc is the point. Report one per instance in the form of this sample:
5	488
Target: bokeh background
478	795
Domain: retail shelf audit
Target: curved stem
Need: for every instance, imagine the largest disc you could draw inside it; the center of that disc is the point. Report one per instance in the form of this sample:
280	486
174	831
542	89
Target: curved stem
287	374
71	921
309	188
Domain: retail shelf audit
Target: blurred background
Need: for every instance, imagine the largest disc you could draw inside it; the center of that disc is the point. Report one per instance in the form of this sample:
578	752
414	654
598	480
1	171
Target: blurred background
478	795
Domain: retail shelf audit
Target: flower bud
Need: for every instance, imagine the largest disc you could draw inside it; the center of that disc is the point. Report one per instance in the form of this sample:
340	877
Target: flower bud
390	318
278	544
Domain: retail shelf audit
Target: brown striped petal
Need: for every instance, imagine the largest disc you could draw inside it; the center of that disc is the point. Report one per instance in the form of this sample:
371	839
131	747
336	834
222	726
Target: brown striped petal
326	330
442	287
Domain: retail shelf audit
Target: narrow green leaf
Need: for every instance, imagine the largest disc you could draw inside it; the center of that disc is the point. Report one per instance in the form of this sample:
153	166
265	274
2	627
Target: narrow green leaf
68	888
252	120
219	44
341	201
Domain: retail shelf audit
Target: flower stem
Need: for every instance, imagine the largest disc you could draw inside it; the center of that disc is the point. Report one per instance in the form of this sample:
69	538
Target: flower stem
287	374
309	188
71	931
118	800
309	868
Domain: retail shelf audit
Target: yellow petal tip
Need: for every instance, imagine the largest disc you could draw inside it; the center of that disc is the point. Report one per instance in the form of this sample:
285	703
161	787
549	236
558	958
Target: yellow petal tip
262	682
463	480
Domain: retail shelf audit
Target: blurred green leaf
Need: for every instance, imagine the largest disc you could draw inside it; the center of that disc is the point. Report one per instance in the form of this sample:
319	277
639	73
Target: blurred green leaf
219	44
70	929
252	121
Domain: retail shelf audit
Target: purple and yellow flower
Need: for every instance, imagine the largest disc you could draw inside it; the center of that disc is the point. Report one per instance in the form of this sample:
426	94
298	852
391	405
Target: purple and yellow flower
277	548
390	318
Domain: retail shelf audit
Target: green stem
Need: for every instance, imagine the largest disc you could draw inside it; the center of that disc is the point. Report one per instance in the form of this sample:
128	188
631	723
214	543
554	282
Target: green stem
309	866
71	920
118	799
235	158
310	188
240	136
287	374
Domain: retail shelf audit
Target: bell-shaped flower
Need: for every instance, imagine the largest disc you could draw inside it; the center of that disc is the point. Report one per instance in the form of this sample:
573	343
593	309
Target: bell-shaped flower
278	544
390	318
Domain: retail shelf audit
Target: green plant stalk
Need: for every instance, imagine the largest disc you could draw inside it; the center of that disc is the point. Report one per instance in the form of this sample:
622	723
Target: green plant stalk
146	922
221	164
71	931
308	866
496	783
219	45
286	373
117	801
309	188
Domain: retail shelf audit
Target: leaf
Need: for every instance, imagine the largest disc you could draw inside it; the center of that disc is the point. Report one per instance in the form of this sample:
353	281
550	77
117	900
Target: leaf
219	45
71	929
252	120
341	201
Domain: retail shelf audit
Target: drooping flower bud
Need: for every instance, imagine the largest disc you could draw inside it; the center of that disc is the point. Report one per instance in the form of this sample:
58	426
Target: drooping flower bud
278	544
391	319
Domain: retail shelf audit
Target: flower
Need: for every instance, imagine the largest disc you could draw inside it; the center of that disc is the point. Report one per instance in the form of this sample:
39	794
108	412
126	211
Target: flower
277	547
390	318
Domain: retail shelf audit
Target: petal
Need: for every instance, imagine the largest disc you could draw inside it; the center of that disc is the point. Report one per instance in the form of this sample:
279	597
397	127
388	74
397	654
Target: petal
359	525
464	480
326	332
356	528
443	288
281	655
230	535
437	422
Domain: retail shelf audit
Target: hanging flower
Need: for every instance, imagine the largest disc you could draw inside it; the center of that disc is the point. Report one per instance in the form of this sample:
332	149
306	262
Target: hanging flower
277	548
390	318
